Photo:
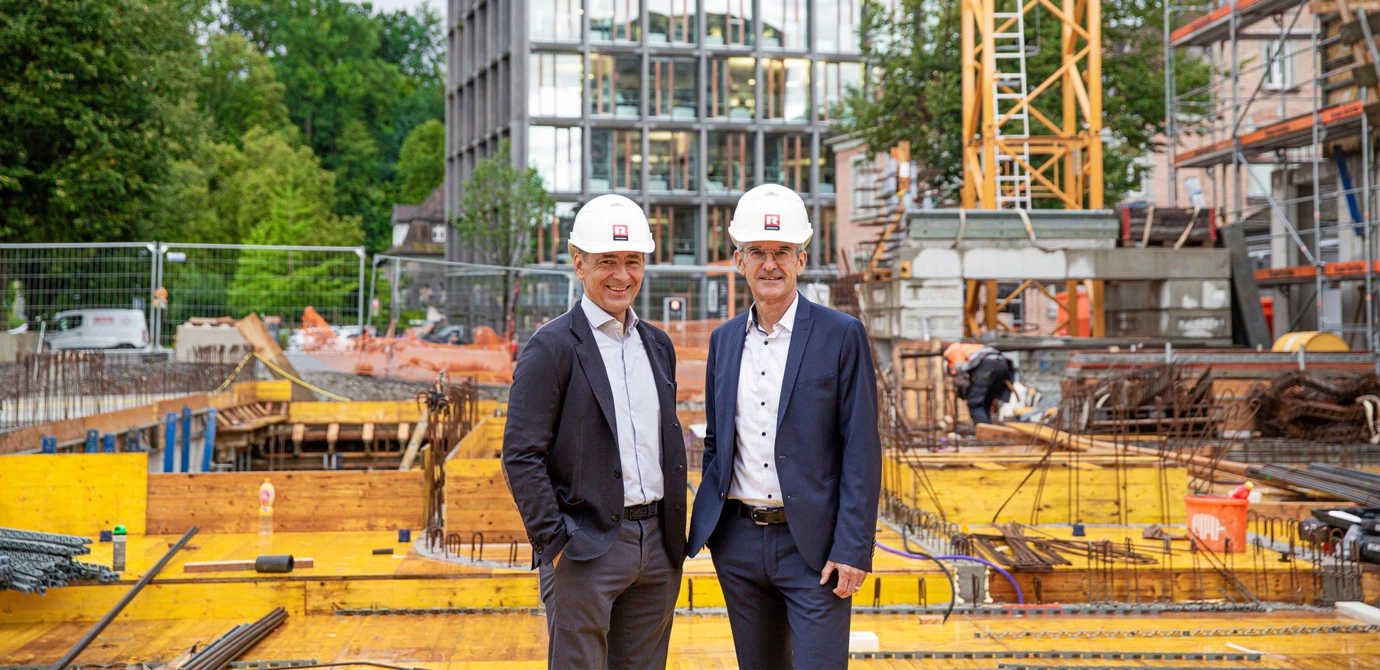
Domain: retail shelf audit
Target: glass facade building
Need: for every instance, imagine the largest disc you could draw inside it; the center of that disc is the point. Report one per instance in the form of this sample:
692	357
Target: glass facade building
681	105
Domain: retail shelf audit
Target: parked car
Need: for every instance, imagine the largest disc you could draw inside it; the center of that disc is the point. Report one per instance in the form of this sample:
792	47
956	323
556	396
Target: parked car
97	329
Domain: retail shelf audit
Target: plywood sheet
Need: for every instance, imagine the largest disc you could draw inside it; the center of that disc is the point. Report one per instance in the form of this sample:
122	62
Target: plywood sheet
478	500
306	501
74	494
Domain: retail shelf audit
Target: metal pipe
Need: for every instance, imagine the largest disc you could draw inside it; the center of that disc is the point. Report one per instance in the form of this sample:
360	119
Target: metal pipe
170	444
1317	188
95	631
208	453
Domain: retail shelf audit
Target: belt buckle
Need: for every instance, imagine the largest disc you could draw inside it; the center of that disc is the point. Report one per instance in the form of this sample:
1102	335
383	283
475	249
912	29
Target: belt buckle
759	517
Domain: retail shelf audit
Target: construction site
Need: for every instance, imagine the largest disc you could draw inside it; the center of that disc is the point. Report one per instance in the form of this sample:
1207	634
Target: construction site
1186	475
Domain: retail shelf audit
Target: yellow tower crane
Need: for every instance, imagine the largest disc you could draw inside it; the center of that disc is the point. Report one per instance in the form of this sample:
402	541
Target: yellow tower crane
1005	164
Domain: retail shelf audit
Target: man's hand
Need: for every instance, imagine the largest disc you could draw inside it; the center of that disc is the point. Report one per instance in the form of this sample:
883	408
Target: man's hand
850	578
557	559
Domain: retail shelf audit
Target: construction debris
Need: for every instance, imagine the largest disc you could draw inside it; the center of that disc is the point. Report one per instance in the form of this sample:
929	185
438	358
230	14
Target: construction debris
33	562
236	643
1307	407
1165	398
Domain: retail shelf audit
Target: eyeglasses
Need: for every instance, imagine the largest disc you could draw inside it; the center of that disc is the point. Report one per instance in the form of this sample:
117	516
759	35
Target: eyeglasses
757	255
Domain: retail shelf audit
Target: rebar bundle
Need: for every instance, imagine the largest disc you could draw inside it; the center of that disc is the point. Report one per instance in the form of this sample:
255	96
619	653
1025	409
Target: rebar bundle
235	643
32	562
1159	399
1303	406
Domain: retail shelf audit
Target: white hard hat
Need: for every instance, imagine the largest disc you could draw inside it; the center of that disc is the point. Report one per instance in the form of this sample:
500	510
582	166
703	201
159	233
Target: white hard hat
771	213
612	223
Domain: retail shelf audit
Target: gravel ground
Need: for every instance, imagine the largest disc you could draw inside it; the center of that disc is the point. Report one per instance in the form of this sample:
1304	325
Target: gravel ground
361	387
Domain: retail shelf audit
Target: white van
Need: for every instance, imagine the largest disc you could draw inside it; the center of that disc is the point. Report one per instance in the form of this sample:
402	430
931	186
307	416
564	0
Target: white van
97	329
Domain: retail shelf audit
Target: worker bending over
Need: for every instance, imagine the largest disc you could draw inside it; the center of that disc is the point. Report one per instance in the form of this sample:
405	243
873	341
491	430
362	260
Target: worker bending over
981	376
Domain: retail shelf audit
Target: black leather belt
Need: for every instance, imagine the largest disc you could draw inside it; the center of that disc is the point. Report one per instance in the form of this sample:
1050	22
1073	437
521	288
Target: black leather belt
640	512
762	516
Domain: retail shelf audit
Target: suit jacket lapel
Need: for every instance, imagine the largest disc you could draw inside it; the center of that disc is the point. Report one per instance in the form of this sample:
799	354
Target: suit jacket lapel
726	433
587	350
800	337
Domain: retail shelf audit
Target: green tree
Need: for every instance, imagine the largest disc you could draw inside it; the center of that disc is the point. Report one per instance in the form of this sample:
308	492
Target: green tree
422	163
360	184
97	110
238	89
501	207
913	88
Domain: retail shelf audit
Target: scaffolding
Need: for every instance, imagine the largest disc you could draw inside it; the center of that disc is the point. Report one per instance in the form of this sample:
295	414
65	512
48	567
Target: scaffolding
1254	112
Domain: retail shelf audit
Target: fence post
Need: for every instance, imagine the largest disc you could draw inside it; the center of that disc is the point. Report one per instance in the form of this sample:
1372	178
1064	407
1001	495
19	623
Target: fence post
362	254
153	296
373	285
170	443
92	436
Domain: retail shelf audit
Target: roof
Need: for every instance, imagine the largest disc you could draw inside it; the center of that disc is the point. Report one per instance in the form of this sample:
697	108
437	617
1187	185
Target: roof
421	221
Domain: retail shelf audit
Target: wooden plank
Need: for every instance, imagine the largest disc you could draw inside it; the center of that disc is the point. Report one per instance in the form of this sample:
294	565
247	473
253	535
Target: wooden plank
257	336
75	494
991	431
478	500
306	501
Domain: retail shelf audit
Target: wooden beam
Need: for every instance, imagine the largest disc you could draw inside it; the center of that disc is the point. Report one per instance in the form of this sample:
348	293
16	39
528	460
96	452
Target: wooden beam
1071	304
989	305
257	336
1098	322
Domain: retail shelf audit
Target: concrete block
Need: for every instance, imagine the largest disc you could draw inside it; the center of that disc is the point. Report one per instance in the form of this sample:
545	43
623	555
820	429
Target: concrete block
934	323
190	337
931	293
1210	294
11	344
1170	323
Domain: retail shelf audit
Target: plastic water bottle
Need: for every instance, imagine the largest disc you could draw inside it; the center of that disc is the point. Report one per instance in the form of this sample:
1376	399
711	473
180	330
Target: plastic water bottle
266	496
117	549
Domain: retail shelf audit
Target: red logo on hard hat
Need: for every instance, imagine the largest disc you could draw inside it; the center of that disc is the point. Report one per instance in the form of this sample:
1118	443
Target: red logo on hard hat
620	233
772	222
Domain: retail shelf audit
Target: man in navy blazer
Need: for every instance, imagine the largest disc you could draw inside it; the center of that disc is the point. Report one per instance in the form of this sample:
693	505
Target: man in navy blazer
792	457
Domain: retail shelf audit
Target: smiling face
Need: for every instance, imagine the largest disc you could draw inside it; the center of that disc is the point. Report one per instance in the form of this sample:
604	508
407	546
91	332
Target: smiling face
611	279
771	269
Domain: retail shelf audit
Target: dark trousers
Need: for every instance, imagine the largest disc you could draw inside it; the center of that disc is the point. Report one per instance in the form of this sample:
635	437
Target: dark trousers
988	386
613	611
780	615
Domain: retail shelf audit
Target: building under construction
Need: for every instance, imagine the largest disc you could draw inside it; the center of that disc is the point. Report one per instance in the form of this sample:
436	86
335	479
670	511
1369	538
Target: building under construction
233	514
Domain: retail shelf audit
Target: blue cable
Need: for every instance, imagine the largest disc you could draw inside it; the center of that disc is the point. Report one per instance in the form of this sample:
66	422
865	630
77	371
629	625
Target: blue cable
1020	597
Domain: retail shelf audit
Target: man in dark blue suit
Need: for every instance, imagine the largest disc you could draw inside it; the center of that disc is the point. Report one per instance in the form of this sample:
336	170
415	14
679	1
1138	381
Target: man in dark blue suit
792	458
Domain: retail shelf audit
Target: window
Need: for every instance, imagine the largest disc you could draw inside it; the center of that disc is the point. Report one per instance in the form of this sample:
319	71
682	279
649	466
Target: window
786	161
553	84
70	322
784	24
788	89
832	83
864	195
730	162
826	172
836	26
718	245
673	87
615	21
728	23
615	160
557	153
676	231
731	89
827	236
553	236
615	86
554	19
438	234
1280	73
672	21
674	158
1258	184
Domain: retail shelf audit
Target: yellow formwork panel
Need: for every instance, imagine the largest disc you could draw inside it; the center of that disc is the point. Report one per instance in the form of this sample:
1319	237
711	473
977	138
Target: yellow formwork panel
390	411
1061	495
74	494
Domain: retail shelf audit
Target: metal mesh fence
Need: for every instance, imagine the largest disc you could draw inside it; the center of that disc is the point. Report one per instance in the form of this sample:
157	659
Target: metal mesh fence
234	280
41	280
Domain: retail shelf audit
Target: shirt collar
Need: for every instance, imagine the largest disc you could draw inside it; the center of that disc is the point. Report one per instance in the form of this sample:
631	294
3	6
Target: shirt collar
598	318
787	321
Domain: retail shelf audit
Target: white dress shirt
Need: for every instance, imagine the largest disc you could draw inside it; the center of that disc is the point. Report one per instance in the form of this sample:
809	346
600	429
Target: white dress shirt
760	377
636	405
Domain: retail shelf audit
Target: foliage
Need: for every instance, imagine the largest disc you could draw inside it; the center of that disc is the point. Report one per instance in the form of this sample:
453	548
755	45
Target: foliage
97	110
422	163
913	89
238	89
502	206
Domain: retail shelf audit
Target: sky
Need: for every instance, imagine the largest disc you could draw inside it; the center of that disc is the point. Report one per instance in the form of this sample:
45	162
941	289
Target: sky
391	5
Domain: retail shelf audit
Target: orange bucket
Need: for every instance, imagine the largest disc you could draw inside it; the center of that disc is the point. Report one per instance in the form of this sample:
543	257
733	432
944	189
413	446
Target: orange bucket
1215	519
